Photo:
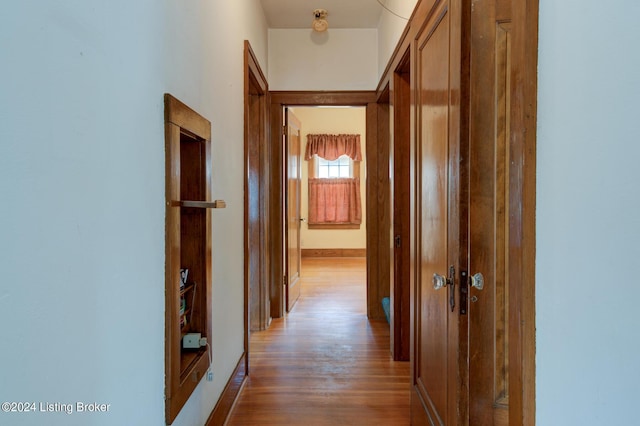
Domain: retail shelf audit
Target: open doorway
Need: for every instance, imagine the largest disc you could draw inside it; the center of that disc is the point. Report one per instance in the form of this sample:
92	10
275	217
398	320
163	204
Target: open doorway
375	176
325	199
334	238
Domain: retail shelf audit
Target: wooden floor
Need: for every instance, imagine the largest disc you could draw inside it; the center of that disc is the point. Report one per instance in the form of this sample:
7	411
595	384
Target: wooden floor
325	363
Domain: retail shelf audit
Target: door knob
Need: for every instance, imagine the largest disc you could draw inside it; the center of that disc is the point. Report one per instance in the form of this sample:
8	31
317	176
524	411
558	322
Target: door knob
439	281
477	281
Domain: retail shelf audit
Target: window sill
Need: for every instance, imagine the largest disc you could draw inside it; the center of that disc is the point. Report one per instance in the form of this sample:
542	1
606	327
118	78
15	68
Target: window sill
334	226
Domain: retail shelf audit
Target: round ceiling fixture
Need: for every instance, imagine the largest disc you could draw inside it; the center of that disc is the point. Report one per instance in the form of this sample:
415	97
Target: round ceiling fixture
320	23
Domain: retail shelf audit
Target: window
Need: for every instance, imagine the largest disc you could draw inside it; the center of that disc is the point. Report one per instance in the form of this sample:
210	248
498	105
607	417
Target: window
334	181
342	167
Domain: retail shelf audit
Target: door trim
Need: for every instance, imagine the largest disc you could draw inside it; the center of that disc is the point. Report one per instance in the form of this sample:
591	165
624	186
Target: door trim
255	139
524	98
377	287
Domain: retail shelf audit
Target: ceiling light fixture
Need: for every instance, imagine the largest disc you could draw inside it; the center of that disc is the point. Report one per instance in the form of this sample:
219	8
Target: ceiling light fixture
320	23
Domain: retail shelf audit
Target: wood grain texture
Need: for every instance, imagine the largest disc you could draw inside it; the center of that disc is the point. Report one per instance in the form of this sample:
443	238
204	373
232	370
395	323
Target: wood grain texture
276	211
187	245
184	117
434	218
489	215
256	192
326	98
378	208
325	363
337	252
401	205
522	180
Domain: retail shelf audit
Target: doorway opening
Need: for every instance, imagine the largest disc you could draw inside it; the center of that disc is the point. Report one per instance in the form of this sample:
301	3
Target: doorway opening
332	239
377	217
325	197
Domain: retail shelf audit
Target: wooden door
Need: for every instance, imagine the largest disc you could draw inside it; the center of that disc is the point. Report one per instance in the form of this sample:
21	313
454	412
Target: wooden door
489	213
435	223
293	179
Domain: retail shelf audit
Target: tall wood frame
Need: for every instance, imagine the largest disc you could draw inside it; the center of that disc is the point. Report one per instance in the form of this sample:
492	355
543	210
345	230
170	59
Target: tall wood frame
187	245
377	185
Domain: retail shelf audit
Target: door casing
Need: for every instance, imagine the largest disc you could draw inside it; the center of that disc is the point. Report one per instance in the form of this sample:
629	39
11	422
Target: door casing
377	206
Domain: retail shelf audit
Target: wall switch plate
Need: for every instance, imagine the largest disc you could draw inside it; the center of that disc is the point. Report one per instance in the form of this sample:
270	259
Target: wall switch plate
210	376
191	341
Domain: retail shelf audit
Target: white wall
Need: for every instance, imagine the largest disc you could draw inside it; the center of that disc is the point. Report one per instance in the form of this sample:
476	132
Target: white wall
208	76
82	184
588	226
338	59
332	121
390	28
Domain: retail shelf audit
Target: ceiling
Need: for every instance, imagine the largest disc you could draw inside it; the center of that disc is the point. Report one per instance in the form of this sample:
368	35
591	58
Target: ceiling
341	13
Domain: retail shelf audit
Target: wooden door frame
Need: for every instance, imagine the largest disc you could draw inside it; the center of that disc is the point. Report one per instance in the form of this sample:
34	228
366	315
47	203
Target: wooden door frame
256	132
401	101
524	98
377	193
394	112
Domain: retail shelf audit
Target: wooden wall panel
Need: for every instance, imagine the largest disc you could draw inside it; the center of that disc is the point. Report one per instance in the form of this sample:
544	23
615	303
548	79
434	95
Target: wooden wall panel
515	315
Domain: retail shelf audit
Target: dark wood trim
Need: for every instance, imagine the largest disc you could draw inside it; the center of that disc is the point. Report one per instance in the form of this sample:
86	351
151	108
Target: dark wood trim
378	208
186	118
522	241
280	99
337	252
325	98
276	210
256	139
464	41
229	395
523	142
333	226
187	239
400	186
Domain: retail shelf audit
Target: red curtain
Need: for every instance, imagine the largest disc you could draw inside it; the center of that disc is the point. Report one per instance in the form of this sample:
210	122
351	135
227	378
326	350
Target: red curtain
331	147
334	201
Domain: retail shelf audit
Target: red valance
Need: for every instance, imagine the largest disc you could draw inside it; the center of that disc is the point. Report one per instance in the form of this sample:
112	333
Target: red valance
330	147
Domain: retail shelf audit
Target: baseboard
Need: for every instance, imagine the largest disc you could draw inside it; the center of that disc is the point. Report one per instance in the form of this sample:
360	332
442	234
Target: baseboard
222	409
334	252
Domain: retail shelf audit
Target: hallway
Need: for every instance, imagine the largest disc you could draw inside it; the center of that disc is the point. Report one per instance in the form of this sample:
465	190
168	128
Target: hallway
325	363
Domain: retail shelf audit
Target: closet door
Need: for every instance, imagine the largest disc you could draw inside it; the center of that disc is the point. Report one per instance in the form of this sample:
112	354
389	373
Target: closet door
436	217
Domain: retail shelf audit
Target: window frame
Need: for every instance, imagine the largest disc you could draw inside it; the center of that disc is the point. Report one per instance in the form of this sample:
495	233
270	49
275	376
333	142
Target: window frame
354	167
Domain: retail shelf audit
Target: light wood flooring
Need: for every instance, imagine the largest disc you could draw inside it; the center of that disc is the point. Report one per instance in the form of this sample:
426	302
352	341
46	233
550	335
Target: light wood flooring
325	363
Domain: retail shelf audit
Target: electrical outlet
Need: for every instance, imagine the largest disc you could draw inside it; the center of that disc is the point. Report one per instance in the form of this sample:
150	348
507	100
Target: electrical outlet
209	376
191	341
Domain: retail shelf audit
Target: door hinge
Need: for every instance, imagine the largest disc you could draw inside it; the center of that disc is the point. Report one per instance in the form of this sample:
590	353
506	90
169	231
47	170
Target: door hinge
284	280
464	291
